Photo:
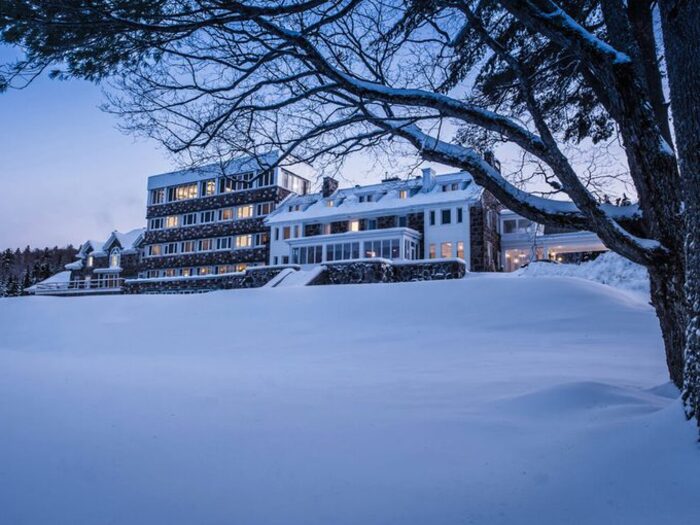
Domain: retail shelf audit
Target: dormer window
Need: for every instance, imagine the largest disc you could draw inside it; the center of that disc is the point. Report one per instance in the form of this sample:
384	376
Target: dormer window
90	261
403	194
329	203
114	258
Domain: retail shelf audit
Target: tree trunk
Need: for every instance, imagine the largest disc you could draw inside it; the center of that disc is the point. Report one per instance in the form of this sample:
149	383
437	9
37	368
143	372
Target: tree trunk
668	298
681	25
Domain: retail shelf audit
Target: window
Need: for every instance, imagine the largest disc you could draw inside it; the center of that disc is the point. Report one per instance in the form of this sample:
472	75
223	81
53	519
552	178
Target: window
403	194
171	221
156	224
326	229
460	215
266	179
329	203
90	261
154	250
460	250
277	234
152	274
186	272
432	217
297	230
343	251
386	248
371	224
189	219
354	226
223	243
403	221
446	250
181	193
207	216
208	187
431	251
188	246
450	187
286	232
244	212
203	270
158	196
169	272
244	241
489	253
224	268
264	208
226	214
307	255
205	245
446	216
240	267
516	225
170	248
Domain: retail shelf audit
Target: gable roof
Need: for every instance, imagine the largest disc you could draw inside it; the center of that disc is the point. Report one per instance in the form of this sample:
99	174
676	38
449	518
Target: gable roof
127	241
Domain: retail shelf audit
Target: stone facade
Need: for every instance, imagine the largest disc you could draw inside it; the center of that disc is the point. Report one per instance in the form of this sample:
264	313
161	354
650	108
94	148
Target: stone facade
384	271
250	278
186	260
483	232
235	198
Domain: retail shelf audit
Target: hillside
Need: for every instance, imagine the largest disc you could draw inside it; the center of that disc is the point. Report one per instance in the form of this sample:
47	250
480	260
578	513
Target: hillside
490	400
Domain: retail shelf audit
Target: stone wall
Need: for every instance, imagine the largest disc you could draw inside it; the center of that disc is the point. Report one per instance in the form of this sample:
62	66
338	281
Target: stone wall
224	200
384	271
129	263
204	231
483	231
251	278
250	255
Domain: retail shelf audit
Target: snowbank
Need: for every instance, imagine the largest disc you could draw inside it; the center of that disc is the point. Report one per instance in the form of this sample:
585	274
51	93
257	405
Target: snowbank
487	400
58	278
609	268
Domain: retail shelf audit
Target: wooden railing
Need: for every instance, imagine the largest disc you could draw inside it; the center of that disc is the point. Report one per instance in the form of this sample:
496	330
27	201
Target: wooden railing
79	286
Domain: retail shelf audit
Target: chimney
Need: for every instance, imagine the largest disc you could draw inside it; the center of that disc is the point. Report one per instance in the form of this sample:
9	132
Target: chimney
329	186
428	178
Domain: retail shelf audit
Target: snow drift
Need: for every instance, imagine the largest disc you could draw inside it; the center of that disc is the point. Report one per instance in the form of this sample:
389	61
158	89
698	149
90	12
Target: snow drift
489	400
609	268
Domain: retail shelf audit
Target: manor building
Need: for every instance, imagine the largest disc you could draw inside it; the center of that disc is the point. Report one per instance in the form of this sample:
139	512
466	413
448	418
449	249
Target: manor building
428	217
210	220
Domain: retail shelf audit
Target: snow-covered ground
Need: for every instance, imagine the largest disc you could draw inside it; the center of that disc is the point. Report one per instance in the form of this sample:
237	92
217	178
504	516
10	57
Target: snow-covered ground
490	400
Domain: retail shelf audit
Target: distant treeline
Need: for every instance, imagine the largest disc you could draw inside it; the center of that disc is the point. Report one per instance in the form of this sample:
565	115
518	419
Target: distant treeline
19	269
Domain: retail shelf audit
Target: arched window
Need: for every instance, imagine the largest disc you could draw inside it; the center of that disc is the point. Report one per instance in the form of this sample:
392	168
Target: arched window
114	258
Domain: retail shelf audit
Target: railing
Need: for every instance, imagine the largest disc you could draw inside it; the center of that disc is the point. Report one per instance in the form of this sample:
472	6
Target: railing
80	286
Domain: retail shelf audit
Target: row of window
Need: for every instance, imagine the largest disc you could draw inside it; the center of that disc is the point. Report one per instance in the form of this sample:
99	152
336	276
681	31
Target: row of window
447	250
384	248
370	197
446	216
198	270
236	242
244	181
247	211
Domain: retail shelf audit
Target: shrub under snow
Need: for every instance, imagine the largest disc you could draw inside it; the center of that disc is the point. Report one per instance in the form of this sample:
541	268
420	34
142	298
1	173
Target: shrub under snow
609	268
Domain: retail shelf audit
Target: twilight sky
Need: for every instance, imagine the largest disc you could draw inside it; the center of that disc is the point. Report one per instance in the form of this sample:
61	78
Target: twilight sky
69	175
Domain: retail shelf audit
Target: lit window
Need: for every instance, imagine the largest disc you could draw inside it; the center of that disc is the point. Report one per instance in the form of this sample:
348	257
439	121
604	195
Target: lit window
244	241
460	250
403	194
171	221
244	212
286	232
169	272
90	261
209	187
188	246
329	203
205	245
186	272
354	226
446	250
188	191
203	270
154	250
114	258
431	251
226	214
241	267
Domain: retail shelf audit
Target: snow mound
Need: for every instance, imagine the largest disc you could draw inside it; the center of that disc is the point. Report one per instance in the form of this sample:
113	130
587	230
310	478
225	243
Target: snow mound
609	268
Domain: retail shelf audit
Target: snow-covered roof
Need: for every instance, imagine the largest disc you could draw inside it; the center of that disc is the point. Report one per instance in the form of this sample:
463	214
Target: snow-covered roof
60	277
217	169
128	241
386	198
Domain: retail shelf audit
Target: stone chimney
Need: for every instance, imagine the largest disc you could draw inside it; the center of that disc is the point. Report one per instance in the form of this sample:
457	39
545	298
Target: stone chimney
329	186
428	178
